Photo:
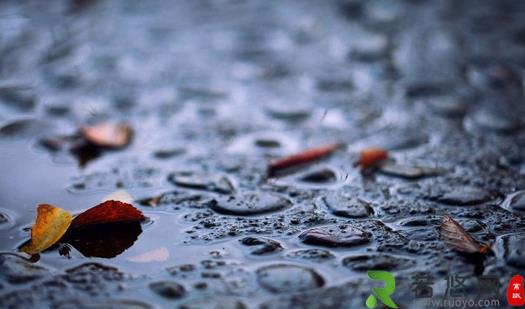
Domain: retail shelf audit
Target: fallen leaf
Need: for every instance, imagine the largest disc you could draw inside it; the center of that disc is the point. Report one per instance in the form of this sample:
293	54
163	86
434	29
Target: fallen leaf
455	236
110	135
91	141
157	255
108	212
371	156
120	195
302	158
50	225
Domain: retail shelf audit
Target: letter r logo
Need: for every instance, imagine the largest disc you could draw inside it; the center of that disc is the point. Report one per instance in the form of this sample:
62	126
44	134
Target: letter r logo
384	292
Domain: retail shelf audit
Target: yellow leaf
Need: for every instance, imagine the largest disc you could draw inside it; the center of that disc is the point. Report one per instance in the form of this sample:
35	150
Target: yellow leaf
51	224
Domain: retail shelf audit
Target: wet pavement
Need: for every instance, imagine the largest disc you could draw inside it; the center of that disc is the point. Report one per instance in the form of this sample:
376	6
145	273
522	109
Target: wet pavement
215	90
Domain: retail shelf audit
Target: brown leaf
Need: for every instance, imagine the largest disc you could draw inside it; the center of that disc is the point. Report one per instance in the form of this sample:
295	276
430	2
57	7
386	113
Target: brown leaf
302	158
455	236
371	156
110	135
108	212
50	225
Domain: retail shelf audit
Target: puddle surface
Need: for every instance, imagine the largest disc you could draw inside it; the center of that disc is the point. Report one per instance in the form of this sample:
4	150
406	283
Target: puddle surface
214	91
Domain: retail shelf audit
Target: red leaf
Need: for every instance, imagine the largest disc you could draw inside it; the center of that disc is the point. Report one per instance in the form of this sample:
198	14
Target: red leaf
108	212
371	156
301	158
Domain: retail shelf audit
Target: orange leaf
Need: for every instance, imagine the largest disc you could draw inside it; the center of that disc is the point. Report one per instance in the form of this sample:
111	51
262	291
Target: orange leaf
50	225
305	157
455	236
111	135
108	212
371	156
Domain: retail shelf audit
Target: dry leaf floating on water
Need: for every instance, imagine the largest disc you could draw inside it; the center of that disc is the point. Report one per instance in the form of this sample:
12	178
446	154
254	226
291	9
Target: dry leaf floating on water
455	236
301	158
108	212
90	141
50	225
110	135
371	156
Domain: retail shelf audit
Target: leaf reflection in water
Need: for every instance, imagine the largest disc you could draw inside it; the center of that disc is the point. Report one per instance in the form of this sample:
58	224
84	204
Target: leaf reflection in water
104	240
